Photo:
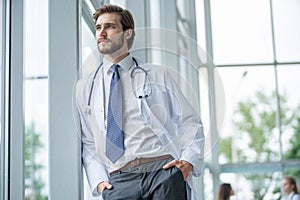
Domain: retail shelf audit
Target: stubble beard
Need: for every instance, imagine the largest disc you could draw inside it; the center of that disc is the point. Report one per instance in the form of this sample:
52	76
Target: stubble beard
111	47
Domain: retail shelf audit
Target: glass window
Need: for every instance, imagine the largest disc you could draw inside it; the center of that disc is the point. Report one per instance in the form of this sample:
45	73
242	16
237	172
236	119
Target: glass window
242	34
207	176
250	133
36	100
89	43
204	112
288	81
200	16
36	138
287	30
90	55
241	31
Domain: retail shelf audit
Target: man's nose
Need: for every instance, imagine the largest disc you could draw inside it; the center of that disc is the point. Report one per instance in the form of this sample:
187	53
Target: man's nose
101	32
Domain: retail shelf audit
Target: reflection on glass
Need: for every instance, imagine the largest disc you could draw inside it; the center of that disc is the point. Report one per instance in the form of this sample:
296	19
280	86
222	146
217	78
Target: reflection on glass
36	100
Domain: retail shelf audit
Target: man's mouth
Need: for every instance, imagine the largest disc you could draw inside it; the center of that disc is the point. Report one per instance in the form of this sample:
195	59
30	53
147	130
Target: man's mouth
100	41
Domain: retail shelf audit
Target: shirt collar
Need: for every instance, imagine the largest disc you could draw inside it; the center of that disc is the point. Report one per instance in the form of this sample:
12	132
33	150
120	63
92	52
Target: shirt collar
125	64
291	195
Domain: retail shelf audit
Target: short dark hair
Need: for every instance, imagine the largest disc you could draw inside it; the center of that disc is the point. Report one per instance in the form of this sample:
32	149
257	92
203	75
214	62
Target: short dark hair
126	18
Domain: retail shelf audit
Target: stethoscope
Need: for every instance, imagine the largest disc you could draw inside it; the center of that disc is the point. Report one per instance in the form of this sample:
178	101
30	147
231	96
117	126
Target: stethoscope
139	92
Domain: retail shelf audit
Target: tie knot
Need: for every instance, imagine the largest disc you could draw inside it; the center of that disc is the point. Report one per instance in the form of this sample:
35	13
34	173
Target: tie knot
115	67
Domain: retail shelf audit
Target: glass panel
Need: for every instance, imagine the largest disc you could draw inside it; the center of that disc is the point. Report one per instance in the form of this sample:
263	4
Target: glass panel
208	189
204	112
288	81
90	55
36	139
36	100
89	43
287	29
121	3
241	31
36	41
250	132
200	17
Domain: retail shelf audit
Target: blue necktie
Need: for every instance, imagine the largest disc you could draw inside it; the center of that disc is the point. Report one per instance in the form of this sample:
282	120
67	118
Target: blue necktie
115	135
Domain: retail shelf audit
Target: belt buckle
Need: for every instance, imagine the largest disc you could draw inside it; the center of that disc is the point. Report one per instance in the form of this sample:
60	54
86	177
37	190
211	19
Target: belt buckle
138	161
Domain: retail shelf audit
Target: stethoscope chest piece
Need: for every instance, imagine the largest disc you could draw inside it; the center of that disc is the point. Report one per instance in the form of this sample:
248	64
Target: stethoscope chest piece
140	83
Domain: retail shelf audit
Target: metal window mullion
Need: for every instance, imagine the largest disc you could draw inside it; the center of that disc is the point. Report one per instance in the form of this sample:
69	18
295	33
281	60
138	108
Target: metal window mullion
15	102
3	107
278	104
212	101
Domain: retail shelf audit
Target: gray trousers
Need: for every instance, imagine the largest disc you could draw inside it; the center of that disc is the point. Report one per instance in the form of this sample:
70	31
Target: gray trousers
146	182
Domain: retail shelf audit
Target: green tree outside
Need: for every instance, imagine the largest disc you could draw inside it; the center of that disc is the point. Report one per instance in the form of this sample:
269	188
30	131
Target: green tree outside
33	181
255	122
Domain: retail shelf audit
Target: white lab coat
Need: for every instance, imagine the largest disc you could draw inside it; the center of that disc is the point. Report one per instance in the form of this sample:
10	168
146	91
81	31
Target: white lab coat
292	196
181	130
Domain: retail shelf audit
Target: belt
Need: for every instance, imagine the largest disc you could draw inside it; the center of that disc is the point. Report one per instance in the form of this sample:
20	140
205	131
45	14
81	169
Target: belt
138	161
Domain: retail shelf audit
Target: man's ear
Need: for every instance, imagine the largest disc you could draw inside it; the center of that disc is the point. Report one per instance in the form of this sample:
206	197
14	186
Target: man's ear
128	33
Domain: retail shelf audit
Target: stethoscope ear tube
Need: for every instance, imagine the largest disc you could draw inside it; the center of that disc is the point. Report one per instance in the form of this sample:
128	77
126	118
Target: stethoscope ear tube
137	67
92	86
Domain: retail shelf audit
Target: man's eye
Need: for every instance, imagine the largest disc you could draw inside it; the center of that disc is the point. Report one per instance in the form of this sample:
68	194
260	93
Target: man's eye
110	26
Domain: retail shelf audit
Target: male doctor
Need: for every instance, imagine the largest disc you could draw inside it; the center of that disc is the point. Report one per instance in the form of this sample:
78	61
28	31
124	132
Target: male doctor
141	138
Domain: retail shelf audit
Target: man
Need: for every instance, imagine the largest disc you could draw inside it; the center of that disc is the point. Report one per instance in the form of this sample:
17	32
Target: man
141	138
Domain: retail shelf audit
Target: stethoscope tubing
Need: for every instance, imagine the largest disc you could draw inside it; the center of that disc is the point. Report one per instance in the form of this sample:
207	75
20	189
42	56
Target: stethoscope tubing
97	70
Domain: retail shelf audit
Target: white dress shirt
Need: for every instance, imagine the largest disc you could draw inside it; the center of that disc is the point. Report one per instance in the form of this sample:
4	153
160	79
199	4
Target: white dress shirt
139	139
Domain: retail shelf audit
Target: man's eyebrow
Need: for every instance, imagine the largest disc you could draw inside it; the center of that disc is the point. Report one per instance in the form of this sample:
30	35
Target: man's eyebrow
105	24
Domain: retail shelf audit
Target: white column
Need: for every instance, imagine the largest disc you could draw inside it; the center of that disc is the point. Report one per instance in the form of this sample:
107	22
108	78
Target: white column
64	141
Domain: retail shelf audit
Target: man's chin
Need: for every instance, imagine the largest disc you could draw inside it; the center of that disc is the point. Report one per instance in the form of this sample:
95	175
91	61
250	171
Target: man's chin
103	50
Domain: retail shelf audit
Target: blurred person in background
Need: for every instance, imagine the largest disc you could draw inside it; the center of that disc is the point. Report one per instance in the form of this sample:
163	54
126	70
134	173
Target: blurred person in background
290	189
225	192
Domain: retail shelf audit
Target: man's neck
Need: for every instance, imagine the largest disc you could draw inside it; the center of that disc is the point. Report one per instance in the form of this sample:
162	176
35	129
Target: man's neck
116	59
